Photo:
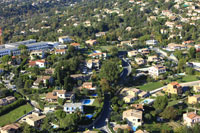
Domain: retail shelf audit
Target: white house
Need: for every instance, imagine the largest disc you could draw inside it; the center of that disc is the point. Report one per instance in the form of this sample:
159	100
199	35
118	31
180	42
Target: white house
133	117
191	118
40	63
65	39
151	42
73	107
133	53
60	51
155	71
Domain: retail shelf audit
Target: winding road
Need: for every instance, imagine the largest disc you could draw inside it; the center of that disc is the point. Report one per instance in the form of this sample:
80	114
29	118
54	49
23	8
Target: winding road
126	69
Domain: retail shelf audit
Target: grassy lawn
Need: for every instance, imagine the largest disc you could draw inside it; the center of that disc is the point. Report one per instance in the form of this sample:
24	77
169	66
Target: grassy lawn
96	103
189	78
106	47
14	114
174	102
150	86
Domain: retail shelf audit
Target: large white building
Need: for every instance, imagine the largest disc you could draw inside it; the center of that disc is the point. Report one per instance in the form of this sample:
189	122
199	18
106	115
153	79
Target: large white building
156	70
12	48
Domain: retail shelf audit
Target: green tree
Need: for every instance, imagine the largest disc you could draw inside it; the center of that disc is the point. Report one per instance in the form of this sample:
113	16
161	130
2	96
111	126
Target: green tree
46	126
105	85
5	59
181	64
68	83
114	51
170	113
160	103
148	117
61	101
110	71
192	52
70	121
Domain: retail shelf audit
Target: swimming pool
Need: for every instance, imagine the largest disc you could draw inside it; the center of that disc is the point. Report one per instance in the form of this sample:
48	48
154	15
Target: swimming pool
148	101
134	128
94	95
89	116
88	101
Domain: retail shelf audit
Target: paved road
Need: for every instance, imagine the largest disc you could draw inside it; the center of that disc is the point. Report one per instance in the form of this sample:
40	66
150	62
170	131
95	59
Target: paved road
101	124
163	53
182	84
126	69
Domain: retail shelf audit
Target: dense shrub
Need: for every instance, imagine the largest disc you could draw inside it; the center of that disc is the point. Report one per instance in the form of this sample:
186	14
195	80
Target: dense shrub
10	107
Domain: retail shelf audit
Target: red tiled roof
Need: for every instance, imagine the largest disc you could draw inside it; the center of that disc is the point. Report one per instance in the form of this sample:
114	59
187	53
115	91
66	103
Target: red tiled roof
192	115
32	63
41	61
60	50
75	44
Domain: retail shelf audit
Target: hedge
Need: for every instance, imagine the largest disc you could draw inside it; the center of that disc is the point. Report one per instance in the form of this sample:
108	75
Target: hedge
10	107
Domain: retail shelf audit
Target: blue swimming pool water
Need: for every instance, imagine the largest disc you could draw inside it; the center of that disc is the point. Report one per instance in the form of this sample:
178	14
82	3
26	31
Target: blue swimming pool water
94	95
89	116
86	101
134	128
55	126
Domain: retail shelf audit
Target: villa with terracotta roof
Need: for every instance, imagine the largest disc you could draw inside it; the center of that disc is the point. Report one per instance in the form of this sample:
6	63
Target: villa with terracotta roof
173	88
88	85
98	55
53	96
190	42
91	42
133	117
39	63
42	79
60	51
76	45
11	128
191	118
